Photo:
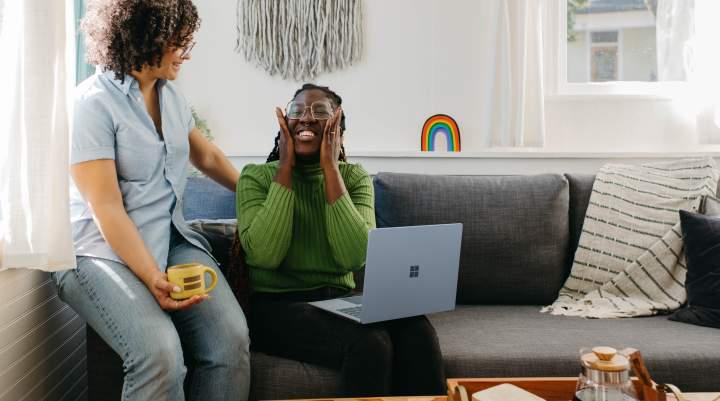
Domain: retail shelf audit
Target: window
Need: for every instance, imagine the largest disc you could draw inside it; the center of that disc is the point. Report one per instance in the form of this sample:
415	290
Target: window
636	47
611	40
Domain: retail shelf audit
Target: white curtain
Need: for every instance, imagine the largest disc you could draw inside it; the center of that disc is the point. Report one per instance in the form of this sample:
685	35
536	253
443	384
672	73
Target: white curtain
675	28
36	72
704	76
516	115
687	32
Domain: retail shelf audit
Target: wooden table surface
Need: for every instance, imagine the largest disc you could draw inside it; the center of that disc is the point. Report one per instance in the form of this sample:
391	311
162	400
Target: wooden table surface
419	398
688	396
550	388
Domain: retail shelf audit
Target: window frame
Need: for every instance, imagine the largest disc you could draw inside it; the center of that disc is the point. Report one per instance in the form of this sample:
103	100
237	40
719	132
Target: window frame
557	85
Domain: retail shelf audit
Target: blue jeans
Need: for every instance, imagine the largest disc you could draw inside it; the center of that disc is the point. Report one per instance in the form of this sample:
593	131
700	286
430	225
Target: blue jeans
213	335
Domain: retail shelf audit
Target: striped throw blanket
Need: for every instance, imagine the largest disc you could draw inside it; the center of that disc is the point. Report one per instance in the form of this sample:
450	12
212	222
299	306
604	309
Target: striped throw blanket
630	260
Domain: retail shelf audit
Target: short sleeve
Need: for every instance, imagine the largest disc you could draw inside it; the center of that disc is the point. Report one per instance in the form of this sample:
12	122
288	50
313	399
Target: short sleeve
191	121
188	115
93	135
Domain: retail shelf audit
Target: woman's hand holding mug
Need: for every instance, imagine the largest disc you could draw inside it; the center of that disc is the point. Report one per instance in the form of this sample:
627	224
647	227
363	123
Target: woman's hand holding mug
162	289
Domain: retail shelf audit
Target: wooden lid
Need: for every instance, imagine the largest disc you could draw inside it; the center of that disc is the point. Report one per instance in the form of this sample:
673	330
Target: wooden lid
605	359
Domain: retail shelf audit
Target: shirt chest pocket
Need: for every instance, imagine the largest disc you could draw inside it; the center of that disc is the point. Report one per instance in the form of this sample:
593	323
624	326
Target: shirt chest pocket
139	154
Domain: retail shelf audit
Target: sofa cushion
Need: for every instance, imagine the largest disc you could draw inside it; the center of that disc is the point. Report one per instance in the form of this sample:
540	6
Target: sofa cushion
580	190
219	233
276	378
515	229
504	341
701	234
711	206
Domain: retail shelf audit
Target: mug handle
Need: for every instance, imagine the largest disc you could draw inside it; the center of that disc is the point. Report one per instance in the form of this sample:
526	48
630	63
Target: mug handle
214	279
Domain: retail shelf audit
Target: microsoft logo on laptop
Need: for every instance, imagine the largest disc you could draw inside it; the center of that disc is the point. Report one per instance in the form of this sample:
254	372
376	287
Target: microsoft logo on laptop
414	271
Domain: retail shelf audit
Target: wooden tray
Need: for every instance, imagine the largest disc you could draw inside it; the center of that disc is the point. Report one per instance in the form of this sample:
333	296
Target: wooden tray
551	389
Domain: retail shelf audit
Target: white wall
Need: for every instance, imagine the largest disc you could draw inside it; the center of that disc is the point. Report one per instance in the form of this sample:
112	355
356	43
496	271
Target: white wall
422	57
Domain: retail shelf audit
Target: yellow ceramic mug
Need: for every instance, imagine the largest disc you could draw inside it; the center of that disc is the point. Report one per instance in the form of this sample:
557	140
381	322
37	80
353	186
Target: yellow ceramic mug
190	277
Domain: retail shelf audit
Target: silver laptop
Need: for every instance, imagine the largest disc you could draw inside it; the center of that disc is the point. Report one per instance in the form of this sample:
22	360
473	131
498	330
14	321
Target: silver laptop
410	271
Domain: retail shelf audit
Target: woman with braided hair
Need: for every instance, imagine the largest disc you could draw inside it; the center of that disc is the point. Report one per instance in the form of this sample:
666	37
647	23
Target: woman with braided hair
133	138
303	223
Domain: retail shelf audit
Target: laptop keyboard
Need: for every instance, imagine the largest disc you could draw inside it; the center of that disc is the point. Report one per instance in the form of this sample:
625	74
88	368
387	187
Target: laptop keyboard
357	299
353	311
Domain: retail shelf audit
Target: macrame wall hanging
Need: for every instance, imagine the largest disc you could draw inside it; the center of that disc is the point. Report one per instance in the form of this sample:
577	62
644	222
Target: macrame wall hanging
300	39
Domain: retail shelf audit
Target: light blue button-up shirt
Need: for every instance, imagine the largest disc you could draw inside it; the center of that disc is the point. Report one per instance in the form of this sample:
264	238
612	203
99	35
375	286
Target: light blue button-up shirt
112	122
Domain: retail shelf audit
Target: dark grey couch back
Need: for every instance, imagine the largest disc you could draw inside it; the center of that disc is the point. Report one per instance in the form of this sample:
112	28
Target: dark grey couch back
520	232
515	229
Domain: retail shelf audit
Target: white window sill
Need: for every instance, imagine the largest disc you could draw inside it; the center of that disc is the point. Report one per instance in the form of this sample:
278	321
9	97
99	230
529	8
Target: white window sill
524	153
619	90
590	97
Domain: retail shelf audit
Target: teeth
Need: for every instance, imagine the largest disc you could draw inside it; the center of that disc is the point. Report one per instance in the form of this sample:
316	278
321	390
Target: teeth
306	134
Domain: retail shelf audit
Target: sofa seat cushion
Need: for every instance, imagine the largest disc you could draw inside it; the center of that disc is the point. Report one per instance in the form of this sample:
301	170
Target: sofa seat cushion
515	229
519	341
276	378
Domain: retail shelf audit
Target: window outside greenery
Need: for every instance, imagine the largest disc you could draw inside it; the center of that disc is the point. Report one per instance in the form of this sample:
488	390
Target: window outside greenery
84	69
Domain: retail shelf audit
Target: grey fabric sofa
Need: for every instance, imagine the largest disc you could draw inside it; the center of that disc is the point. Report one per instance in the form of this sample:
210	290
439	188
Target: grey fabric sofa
520	234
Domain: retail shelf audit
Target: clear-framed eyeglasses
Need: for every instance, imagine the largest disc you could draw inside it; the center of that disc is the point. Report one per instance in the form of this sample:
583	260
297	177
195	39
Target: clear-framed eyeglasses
319	110
187	49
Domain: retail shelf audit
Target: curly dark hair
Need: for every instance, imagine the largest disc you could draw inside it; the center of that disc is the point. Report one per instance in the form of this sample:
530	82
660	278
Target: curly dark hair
335	98
124	35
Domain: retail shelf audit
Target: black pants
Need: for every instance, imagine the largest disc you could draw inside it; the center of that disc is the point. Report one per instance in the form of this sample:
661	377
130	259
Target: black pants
398	357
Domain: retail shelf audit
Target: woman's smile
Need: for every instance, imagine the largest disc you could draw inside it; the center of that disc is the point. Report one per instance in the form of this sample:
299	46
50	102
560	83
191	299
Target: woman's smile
305	136
307	133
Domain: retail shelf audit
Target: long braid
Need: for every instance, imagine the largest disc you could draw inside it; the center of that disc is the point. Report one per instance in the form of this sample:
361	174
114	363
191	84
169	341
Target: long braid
275	153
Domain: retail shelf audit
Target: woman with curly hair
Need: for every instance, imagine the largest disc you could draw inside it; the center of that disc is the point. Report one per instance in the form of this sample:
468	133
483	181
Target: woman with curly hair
132	138
303	222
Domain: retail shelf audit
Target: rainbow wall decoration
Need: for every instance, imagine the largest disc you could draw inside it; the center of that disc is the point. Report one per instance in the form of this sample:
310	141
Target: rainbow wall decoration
440	124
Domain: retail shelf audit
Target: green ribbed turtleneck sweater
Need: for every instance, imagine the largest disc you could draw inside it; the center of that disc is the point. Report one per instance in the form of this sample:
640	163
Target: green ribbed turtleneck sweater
295	240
